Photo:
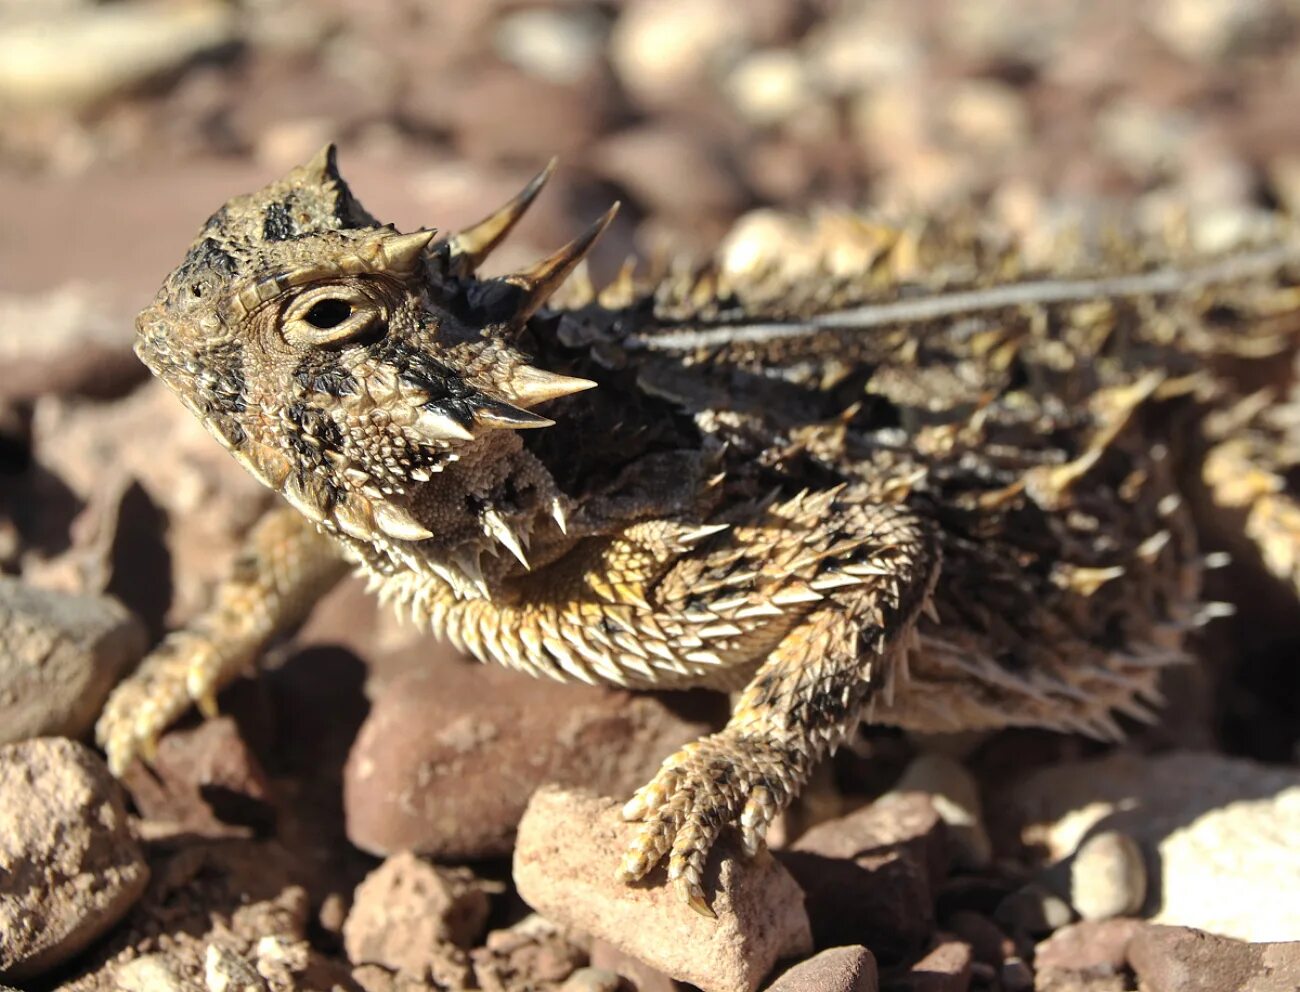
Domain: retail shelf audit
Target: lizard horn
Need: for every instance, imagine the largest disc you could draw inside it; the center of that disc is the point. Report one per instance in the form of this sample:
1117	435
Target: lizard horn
529	386
493	413
321	167
401	253
544	278
468	248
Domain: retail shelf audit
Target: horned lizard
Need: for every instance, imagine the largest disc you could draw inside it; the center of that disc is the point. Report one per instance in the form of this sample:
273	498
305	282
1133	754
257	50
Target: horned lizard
884	473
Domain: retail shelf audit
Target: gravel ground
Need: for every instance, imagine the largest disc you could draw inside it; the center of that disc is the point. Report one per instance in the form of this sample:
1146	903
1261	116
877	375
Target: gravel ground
271	849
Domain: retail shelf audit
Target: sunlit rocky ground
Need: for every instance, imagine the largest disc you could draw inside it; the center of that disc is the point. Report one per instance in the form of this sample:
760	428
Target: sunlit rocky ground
1007	863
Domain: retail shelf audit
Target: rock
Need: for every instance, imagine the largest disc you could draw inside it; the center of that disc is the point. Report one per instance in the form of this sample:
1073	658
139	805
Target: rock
1089	948
1218	30
871	876
643	978
204	779
149	973
1108	876
770	87
60	654
406	910
530	954
1179	959
569	846
561	46
84	344
1033	909
648	161
956	799
1219	832
987	941
69	867
593	980
946	967
450	753
662	48
73	59
837	969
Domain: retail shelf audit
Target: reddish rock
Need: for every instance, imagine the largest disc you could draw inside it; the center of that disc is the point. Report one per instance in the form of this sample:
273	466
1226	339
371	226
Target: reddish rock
204	779
570	844
531	954
451	751
837	969
643	977
1095	948
407	911
871	877
1180	959
946	967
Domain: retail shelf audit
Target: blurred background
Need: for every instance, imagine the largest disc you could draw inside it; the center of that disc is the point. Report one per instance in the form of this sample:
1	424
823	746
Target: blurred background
123	124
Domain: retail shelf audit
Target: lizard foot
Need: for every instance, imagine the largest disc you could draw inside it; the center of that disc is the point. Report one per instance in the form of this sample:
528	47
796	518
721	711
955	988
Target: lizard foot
184	669
726	779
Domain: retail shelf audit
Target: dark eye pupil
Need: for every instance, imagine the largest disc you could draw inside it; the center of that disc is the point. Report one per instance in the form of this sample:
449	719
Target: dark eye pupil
329	313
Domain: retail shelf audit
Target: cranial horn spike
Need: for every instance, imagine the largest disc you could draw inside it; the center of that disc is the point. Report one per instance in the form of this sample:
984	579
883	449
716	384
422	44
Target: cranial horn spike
493	413
529	386
322	166
544	278
434	425
401	253
471	246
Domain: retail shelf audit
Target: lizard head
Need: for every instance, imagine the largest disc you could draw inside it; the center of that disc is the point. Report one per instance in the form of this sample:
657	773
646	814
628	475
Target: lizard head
350	367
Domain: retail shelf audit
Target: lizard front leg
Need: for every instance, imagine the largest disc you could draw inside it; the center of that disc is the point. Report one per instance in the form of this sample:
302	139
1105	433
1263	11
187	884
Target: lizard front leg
285	566
805	697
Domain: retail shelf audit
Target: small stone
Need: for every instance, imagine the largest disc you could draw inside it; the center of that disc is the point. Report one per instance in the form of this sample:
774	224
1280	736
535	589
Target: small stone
770	87
533	949
1094	947
1033	909
69	866
406	909
204	779
75	59
450	753
643	977
1180	959
946	967
593	980
988	943
1221	831
837	969
1216	30
559	45
569	846
872	876
1015	976
60	654
955	795
648	161
149	973
662	48
1108	877
84	347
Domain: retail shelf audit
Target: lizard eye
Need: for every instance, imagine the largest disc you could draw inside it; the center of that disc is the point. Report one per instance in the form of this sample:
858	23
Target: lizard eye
329	315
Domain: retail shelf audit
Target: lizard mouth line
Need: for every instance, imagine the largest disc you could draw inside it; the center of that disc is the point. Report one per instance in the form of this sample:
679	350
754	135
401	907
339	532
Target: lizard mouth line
1042	292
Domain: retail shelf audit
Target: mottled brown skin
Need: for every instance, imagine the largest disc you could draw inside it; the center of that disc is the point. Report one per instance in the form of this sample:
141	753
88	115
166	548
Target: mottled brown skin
863	472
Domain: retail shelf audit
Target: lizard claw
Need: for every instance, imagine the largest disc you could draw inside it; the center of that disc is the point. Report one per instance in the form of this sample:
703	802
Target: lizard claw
706	786
180	672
